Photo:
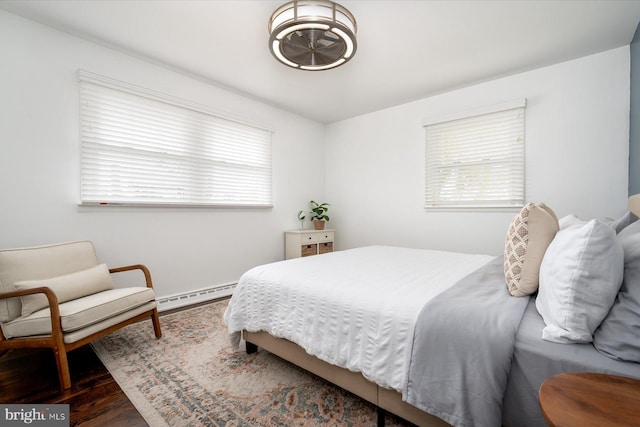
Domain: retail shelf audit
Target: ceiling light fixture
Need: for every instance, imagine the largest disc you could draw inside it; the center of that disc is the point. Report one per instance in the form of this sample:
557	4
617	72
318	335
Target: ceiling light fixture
312	34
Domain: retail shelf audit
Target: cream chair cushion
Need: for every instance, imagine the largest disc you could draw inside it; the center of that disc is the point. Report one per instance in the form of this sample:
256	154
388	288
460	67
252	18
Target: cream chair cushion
82	312
67	287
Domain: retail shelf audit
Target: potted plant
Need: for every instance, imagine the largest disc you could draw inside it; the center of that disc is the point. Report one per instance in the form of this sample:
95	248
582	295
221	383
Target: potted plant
318	214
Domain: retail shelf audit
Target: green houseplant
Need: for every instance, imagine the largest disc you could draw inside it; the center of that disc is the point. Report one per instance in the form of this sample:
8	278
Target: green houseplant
318	214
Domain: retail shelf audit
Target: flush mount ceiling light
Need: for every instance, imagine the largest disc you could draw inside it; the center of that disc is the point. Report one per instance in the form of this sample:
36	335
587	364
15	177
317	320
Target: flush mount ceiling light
312	34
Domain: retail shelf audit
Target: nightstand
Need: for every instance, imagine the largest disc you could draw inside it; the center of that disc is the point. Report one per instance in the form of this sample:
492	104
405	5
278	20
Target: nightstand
300	243
588	399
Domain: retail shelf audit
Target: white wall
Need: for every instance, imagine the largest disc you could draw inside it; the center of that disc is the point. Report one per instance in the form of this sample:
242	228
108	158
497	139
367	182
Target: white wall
185	249
577	142
576	158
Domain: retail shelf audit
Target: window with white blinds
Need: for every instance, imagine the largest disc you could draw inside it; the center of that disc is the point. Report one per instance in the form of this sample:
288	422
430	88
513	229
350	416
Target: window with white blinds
144	148
476	161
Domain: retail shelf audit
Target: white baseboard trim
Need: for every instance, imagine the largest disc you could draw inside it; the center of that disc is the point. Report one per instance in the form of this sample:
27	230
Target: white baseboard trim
188	298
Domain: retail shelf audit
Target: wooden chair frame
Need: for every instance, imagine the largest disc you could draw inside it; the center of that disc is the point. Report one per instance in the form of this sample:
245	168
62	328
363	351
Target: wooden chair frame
56	340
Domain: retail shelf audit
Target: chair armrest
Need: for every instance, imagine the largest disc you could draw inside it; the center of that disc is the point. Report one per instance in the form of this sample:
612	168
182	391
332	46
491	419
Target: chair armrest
54	309
51	296
144	269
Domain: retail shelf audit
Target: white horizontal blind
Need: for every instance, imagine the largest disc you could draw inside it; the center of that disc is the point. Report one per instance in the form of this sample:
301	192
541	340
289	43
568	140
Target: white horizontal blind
476	162
139	150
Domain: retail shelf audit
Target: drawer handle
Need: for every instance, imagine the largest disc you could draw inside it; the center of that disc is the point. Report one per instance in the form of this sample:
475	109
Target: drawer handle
309	237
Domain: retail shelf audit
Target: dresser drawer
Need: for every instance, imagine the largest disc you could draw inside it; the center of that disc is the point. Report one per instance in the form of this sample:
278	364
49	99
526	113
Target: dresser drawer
324	248
308	250
309	238
325	237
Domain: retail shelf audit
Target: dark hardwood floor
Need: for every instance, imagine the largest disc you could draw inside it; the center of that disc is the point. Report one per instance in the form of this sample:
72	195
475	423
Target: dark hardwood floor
95	399
29	376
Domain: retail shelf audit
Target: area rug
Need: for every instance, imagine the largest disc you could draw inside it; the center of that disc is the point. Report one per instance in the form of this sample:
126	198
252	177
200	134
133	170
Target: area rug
192	376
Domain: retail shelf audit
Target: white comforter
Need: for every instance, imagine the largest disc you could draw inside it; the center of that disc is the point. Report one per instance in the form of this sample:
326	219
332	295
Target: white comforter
355	309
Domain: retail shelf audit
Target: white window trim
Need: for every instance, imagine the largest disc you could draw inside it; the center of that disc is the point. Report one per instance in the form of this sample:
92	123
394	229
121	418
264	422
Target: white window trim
508	105
106	82
452	205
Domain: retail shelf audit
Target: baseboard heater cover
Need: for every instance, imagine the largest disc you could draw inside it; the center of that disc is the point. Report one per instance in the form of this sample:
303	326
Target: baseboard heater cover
193	297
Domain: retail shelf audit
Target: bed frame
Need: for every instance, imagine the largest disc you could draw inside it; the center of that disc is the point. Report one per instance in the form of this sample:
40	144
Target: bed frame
633	204
385	399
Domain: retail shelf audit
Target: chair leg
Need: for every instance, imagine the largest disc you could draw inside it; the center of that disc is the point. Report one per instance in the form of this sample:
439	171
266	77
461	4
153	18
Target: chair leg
63	367
156	323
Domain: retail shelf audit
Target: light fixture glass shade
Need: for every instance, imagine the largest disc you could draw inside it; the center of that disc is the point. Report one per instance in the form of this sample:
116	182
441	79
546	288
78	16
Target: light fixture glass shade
312	34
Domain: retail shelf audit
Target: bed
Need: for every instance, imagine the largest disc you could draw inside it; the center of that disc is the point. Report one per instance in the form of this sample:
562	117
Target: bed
395	326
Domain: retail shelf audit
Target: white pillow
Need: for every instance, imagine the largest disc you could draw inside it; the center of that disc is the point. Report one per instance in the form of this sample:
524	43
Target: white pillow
570	221
67	287
617	336
624	221
580	276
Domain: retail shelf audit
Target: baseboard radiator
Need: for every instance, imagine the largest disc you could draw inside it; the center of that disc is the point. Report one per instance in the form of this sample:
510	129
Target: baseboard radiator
193	297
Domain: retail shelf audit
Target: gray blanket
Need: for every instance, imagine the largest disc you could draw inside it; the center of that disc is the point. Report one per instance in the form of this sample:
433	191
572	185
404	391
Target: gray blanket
462	348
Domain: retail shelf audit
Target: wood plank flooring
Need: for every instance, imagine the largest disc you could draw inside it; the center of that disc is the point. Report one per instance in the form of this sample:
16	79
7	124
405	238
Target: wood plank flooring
95	399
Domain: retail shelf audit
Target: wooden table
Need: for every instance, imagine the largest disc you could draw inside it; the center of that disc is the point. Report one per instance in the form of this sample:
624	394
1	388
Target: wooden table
587	399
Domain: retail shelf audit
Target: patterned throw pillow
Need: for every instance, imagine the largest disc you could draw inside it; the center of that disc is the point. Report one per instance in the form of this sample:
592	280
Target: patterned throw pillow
528	237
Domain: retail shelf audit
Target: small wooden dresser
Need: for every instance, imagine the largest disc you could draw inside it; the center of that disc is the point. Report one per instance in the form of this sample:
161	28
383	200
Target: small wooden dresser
299	243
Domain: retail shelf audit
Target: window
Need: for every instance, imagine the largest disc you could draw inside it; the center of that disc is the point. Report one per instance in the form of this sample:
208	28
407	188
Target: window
476	160
144	148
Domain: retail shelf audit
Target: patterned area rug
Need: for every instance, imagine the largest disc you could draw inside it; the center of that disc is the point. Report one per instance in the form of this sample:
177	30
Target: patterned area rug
192	376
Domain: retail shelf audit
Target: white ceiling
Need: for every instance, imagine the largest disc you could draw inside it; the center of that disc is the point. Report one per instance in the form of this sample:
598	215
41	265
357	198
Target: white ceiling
407	50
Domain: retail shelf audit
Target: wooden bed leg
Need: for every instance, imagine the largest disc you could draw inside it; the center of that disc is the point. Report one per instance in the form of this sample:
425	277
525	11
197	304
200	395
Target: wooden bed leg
381	414
251	348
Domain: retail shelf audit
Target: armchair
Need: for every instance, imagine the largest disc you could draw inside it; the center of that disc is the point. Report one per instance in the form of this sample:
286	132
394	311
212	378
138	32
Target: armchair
58	296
